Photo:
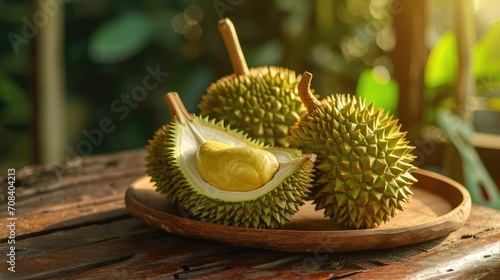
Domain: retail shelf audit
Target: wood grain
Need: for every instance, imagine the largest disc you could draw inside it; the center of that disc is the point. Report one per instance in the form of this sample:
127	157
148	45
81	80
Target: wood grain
87	190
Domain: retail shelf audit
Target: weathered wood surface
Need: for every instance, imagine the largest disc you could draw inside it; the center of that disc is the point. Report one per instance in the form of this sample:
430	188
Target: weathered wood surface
72	224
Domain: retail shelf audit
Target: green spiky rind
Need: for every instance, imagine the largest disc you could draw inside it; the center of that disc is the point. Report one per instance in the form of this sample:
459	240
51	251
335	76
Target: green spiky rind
363	168
271	210
159	161
162	162
265	103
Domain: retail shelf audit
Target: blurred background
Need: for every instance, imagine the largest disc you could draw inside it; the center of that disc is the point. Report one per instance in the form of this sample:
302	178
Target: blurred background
81	77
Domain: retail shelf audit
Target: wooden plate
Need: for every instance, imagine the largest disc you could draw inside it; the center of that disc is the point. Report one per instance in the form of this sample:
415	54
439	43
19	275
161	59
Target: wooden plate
439	206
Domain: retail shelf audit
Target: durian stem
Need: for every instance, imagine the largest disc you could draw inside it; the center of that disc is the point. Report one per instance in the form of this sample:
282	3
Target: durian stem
179	111
176	107
305	93
230	37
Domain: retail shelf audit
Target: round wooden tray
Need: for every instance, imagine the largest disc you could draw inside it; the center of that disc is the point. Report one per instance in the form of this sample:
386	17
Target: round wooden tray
439	206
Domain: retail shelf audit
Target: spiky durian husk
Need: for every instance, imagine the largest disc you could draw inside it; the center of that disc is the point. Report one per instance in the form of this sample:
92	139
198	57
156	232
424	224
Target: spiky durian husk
271	210
363	168
265	103
159	159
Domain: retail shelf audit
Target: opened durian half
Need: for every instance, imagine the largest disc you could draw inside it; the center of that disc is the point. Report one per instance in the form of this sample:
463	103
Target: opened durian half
262	101
222	176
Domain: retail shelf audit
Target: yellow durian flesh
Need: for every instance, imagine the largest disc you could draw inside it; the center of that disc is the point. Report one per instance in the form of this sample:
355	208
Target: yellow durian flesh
235	168
171	163
187	143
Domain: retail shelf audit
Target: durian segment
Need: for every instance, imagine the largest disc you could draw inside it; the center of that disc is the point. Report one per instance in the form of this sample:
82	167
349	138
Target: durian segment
265	103
185	150
235	168
270	210
363	170
171	162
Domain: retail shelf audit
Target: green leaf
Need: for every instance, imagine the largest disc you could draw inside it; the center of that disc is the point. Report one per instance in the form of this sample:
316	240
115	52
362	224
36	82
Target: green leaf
486	53
442	63
378	89
120	38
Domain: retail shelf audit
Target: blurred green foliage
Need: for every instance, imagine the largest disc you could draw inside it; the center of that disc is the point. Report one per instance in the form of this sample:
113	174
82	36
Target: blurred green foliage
486	64
15	145
375	85
120	38
110	44
441	71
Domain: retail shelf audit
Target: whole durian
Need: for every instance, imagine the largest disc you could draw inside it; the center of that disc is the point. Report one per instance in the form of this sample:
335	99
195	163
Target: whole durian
221	175
363	168
262	101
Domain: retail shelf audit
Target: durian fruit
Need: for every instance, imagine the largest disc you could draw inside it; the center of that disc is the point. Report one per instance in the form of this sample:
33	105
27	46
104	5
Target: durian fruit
262	101
363	168
221	175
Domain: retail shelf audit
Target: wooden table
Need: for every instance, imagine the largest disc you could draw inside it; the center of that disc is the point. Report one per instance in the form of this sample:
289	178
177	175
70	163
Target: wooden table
71	223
